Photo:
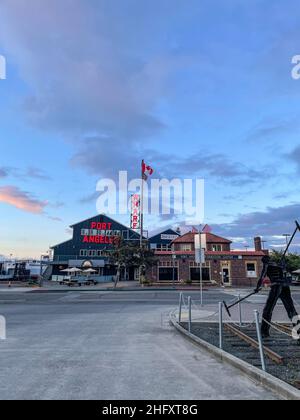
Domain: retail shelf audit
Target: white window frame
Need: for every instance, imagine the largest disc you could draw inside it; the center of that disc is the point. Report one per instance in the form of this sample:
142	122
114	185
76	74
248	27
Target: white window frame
186	247
251	274
214	246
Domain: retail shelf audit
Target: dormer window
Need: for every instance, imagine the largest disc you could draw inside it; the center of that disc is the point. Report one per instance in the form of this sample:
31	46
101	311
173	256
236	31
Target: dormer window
217	248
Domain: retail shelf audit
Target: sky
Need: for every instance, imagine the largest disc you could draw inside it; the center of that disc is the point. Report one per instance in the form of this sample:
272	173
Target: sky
199	89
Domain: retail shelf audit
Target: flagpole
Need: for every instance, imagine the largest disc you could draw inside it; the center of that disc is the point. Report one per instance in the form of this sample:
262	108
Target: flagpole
201	275
142	205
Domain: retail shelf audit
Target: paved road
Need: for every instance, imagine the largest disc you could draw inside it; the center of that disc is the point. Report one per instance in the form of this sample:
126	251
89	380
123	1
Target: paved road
107	346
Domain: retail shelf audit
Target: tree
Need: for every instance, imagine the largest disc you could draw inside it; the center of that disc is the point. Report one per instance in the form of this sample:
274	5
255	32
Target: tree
129	254
293	260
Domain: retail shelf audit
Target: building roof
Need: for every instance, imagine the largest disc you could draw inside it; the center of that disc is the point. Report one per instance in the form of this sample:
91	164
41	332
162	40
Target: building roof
210	239
62	243
165	232
222	253
98	216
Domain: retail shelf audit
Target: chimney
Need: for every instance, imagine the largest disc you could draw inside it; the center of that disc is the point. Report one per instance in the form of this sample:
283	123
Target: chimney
258	243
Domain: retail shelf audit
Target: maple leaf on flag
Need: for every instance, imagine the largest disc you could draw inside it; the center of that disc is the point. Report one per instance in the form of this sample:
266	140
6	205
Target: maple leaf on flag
146	171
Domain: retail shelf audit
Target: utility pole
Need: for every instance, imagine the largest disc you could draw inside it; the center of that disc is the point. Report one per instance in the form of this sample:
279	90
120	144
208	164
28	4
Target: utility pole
142	205
201	274
286	236
174	266
141	216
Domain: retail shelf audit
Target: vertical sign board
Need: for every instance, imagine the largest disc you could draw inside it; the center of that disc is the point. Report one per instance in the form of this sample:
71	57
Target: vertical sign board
135	221
200	247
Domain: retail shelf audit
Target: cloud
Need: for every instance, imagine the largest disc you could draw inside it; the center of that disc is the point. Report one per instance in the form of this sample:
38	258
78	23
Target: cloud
271	129
25	174
36	173
69	231
86	68
57	205
105	157
3	173
294	156
215	165
275	221
89	198
55	219
22	200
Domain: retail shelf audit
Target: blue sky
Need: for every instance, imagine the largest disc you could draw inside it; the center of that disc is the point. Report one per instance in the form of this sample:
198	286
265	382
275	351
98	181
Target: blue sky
198	88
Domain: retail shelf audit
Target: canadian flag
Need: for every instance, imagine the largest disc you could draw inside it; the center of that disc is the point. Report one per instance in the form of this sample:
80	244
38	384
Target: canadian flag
146	171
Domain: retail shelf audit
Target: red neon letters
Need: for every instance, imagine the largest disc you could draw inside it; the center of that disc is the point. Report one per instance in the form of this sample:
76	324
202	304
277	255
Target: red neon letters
99	239
101	226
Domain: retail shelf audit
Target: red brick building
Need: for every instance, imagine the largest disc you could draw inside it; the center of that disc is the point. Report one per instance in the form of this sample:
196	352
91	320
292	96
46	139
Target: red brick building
222	265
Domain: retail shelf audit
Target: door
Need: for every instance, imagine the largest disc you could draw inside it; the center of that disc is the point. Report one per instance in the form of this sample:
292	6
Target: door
226	277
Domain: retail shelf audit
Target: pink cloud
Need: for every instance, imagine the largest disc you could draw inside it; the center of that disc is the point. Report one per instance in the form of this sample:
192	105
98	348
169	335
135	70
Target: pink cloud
21	200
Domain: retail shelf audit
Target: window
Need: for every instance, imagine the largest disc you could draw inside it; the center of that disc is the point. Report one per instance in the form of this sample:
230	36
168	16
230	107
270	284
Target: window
251	269
161	247
173	263
217	248
185	247
83	252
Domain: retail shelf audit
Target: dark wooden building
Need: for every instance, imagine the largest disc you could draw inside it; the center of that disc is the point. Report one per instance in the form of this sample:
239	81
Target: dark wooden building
91	246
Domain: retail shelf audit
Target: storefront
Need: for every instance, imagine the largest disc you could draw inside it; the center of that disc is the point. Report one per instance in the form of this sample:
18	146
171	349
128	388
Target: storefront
222	266
93	242
91	247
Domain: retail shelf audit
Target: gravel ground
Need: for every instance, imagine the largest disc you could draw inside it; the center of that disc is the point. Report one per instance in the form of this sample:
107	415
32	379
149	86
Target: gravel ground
283	345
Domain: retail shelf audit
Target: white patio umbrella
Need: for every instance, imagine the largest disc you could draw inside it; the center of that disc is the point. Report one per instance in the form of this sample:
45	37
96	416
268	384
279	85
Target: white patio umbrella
72	270
75	270
90	271
296	272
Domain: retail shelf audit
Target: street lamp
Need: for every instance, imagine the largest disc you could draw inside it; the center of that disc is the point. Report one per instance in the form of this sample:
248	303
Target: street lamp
174	259
286	236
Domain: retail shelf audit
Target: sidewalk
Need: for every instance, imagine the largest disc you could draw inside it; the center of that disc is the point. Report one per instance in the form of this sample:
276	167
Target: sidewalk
122	286
53	287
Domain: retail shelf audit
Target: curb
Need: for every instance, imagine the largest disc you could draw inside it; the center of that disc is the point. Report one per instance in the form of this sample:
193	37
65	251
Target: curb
264	379
81	289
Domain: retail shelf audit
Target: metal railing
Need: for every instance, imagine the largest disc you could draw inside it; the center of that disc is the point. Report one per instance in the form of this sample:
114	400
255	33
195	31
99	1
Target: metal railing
220	314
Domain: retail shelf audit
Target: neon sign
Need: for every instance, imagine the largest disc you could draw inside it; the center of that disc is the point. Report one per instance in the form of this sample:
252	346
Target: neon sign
100	239
135	212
